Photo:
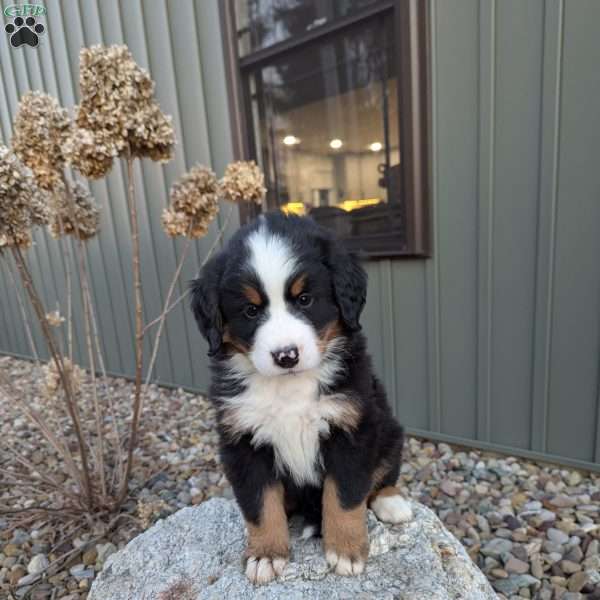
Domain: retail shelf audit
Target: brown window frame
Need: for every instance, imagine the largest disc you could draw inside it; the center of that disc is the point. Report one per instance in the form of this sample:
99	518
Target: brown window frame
411	19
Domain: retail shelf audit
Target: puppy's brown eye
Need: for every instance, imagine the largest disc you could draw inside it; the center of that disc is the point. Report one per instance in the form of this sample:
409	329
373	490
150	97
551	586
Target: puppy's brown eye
305	300
251	311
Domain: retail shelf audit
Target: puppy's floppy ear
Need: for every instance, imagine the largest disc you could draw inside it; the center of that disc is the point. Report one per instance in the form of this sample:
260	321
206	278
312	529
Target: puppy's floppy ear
205	304
349	285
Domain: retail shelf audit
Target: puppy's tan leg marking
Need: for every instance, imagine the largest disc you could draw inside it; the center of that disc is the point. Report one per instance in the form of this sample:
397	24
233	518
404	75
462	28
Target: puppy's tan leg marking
268	542
389	505
344	532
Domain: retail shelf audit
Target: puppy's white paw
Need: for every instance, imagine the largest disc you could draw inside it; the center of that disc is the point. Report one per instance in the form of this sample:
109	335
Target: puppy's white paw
392	509
344	565
262	570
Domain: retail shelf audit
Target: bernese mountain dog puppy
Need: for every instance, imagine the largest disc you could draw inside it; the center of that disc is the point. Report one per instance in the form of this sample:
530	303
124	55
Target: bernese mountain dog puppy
304	424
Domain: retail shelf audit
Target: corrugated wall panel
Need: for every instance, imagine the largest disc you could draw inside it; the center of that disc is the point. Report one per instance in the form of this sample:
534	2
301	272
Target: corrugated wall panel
573	397
496	339
514	187
456	29
410	333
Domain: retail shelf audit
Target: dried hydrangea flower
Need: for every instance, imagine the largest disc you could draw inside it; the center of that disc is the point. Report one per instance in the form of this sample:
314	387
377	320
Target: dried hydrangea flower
194	204
243	181
22	239
84	223
41	129
117	112
22	203
73	373
90	153
153	135
175	223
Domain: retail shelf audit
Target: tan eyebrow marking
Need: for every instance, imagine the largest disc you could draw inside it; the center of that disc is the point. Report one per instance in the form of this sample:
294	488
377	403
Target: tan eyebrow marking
252	295
297	286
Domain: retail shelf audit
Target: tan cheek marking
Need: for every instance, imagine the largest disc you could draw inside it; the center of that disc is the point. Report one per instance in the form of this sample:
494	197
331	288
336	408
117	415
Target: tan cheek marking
252	295
329	332
270	538
298	286
234	342
344	531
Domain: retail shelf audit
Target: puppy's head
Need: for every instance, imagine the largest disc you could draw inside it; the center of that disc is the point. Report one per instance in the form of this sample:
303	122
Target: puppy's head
279	294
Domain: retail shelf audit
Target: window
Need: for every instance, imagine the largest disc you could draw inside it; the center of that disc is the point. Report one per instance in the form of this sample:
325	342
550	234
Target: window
330	100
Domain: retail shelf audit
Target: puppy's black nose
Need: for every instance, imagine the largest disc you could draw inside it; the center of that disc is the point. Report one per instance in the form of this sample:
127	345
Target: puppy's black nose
287	357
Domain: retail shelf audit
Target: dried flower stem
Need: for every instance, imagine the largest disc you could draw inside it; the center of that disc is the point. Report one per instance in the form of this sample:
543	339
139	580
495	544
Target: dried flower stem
67	558
109	398
67	255
40	477
85	299
210	252
184	254
62	449
58	361
23	311
69	283
139	325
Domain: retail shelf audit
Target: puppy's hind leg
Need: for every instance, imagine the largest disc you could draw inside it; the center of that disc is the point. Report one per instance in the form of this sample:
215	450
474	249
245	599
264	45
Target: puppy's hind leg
385	500
389	505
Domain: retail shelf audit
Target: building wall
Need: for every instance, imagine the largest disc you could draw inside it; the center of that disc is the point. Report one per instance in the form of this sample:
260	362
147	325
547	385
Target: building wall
496	339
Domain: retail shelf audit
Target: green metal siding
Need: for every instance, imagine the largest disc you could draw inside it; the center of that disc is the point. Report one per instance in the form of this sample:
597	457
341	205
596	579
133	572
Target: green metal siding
495	341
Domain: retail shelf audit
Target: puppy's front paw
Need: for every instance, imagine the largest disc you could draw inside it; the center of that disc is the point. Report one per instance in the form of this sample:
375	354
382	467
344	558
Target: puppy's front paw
344	565
345	539
261	570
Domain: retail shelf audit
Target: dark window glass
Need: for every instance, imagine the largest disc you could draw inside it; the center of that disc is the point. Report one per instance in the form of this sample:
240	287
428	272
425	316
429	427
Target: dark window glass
326	133
262	23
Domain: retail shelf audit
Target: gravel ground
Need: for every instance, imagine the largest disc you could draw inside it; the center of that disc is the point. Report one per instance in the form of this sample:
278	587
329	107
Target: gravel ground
534	529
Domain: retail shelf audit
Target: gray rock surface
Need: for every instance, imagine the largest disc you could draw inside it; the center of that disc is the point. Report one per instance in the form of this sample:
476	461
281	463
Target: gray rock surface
195	554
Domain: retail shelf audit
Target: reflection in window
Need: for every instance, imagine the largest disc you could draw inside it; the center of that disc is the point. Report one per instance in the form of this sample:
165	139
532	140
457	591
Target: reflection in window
326	130
262	23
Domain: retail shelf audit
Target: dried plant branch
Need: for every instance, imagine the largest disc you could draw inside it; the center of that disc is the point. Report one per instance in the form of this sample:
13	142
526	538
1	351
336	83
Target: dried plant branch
63	559
58	361
111	407
139	325
85	299
184	254
68	254
23	311
207	257
40	477
62	449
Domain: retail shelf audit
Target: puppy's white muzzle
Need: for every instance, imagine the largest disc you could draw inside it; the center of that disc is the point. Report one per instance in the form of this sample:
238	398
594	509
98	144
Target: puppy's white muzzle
284	339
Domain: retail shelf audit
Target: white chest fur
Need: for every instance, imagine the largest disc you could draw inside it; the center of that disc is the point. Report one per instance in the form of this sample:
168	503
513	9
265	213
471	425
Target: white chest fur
288	413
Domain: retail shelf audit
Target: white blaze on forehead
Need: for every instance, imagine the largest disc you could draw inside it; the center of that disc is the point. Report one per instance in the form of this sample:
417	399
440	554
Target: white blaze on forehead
272	260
